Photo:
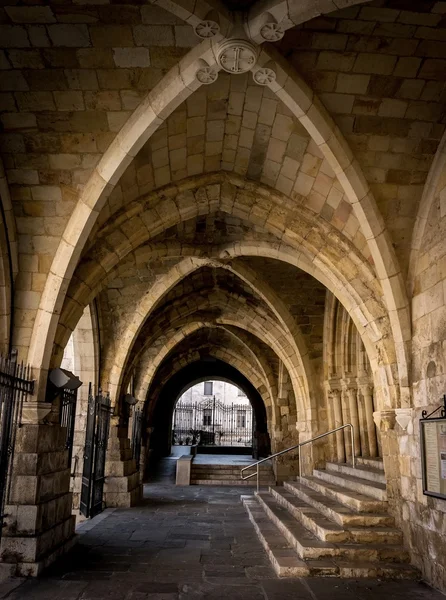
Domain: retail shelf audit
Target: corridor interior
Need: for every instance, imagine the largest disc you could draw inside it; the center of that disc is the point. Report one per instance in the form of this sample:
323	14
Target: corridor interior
249	192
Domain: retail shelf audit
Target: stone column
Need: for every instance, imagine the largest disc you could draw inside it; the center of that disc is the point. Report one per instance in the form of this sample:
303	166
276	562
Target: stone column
337	409
122	486
331	441
354	418
39	525
346	419
365	449
367	392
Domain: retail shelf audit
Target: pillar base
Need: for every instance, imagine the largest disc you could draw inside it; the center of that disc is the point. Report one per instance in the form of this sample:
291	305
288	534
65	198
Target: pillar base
39	526
122	487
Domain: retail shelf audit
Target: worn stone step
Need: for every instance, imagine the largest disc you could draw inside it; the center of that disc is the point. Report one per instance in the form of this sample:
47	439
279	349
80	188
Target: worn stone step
381	570
354	500
283	558
223	475
374	463
329	530
286	563
306	544
363	472
232	482
309	546
371	489
228	468
333	509
313	520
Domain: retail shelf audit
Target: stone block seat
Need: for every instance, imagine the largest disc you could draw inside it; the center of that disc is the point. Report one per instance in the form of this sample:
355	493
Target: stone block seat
334	523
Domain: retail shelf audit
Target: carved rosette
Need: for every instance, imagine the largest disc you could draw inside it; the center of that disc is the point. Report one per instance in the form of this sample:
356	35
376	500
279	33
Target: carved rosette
207	75
272	32
206	29
237	56
264	76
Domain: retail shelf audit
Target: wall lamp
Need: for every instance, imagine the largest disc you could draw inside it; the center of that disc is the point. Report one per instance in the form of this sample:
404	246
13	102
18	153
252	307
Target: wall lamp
63	379
130	400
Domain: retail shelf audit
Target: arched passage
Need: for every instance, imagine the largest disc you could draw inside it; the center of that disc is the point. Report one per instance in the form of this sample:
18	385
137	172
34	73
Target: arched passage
160	409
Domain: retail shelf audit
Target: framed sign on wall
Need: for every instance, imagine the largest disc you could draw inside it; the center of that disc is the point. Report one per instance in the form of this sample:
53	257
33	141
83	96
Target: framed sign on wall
433	452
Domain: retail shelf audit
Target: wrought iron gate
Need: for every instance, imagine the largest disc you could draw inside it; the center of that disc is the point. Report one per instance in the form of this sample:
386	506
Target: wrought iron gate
136	436
15	385
212	422
96	439
68	418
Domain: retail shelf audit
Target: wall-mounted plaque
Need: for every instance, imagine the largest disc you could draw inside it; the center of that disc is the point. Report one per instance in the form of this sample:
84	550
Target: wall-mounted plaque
433	457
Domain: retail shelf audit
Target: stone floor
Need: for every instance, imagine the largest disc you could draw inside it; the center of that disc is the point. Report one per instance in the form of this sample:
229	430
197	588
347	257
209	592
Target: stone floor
186	544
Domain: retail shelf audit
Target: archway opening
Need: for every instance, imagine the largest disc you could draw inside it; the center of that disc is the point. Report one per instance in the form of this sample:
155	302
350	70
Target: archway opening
213	416
208	369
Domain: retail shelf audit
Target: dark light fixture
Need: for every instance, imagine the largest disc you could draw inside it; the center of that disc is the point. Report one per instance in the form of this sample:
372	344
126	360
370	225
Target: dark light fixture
64	379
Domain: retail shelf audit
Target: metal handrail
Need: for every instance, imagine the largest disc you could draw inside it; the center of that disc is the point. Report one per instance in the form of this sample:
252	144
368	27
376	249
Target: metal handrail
318	437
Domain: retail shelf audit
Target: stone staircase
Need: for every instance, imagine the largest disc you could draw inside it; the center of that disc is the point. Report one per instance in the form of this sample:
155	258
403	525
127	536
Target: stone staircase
228	475
334	523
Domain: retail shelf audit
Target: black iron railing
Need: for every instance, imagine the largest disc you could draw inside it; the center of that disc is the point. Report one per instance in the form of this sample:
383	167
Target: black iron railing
96	439
137	436
211	422
68	418
15	385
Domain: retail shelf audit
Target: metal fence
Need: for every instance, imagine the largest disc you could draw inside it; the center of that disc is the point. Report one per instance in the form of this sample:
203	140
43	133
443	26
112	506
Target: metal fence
137	436
15	386
212	423
68	418
96	439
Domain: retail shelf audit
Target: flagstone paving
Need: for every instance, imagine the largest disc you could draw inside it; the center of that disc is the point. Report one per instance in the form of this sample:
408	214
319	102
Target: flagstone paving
193	543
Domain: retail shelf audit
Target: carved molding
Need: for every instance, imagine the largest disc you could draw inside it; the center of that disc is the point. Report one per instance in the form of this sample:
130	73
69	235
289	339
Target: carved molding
206	29
264	76
385	419
237	56
35	412
272	32
404	418
207	75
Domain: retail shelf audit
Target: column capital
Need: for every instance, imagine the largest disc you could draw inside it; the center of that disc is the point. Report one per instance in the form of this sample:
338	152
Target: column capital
385	419
366	388
334	387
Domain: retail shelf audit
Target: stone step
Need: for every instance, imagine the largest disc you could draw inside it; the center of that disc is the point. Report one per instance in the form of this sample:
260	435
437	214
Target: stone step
286	563
313	520
283	558
354	500
226	469
336	511
361	471
309	546
356	569
374	463
232	482
223	475
329	530
368	488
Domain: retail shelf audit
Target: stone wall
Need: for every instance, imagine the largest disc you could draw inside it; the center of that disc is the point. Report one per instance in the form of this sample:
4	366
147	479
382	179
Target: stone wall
423	517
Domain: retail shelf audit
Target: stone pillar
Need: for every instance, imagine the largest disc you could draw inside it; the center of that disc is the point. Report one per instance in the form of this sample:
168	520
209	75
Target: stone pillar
122	486
340	447
385	421
331	440
367	392
39	525
346	419
354	418
365	448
